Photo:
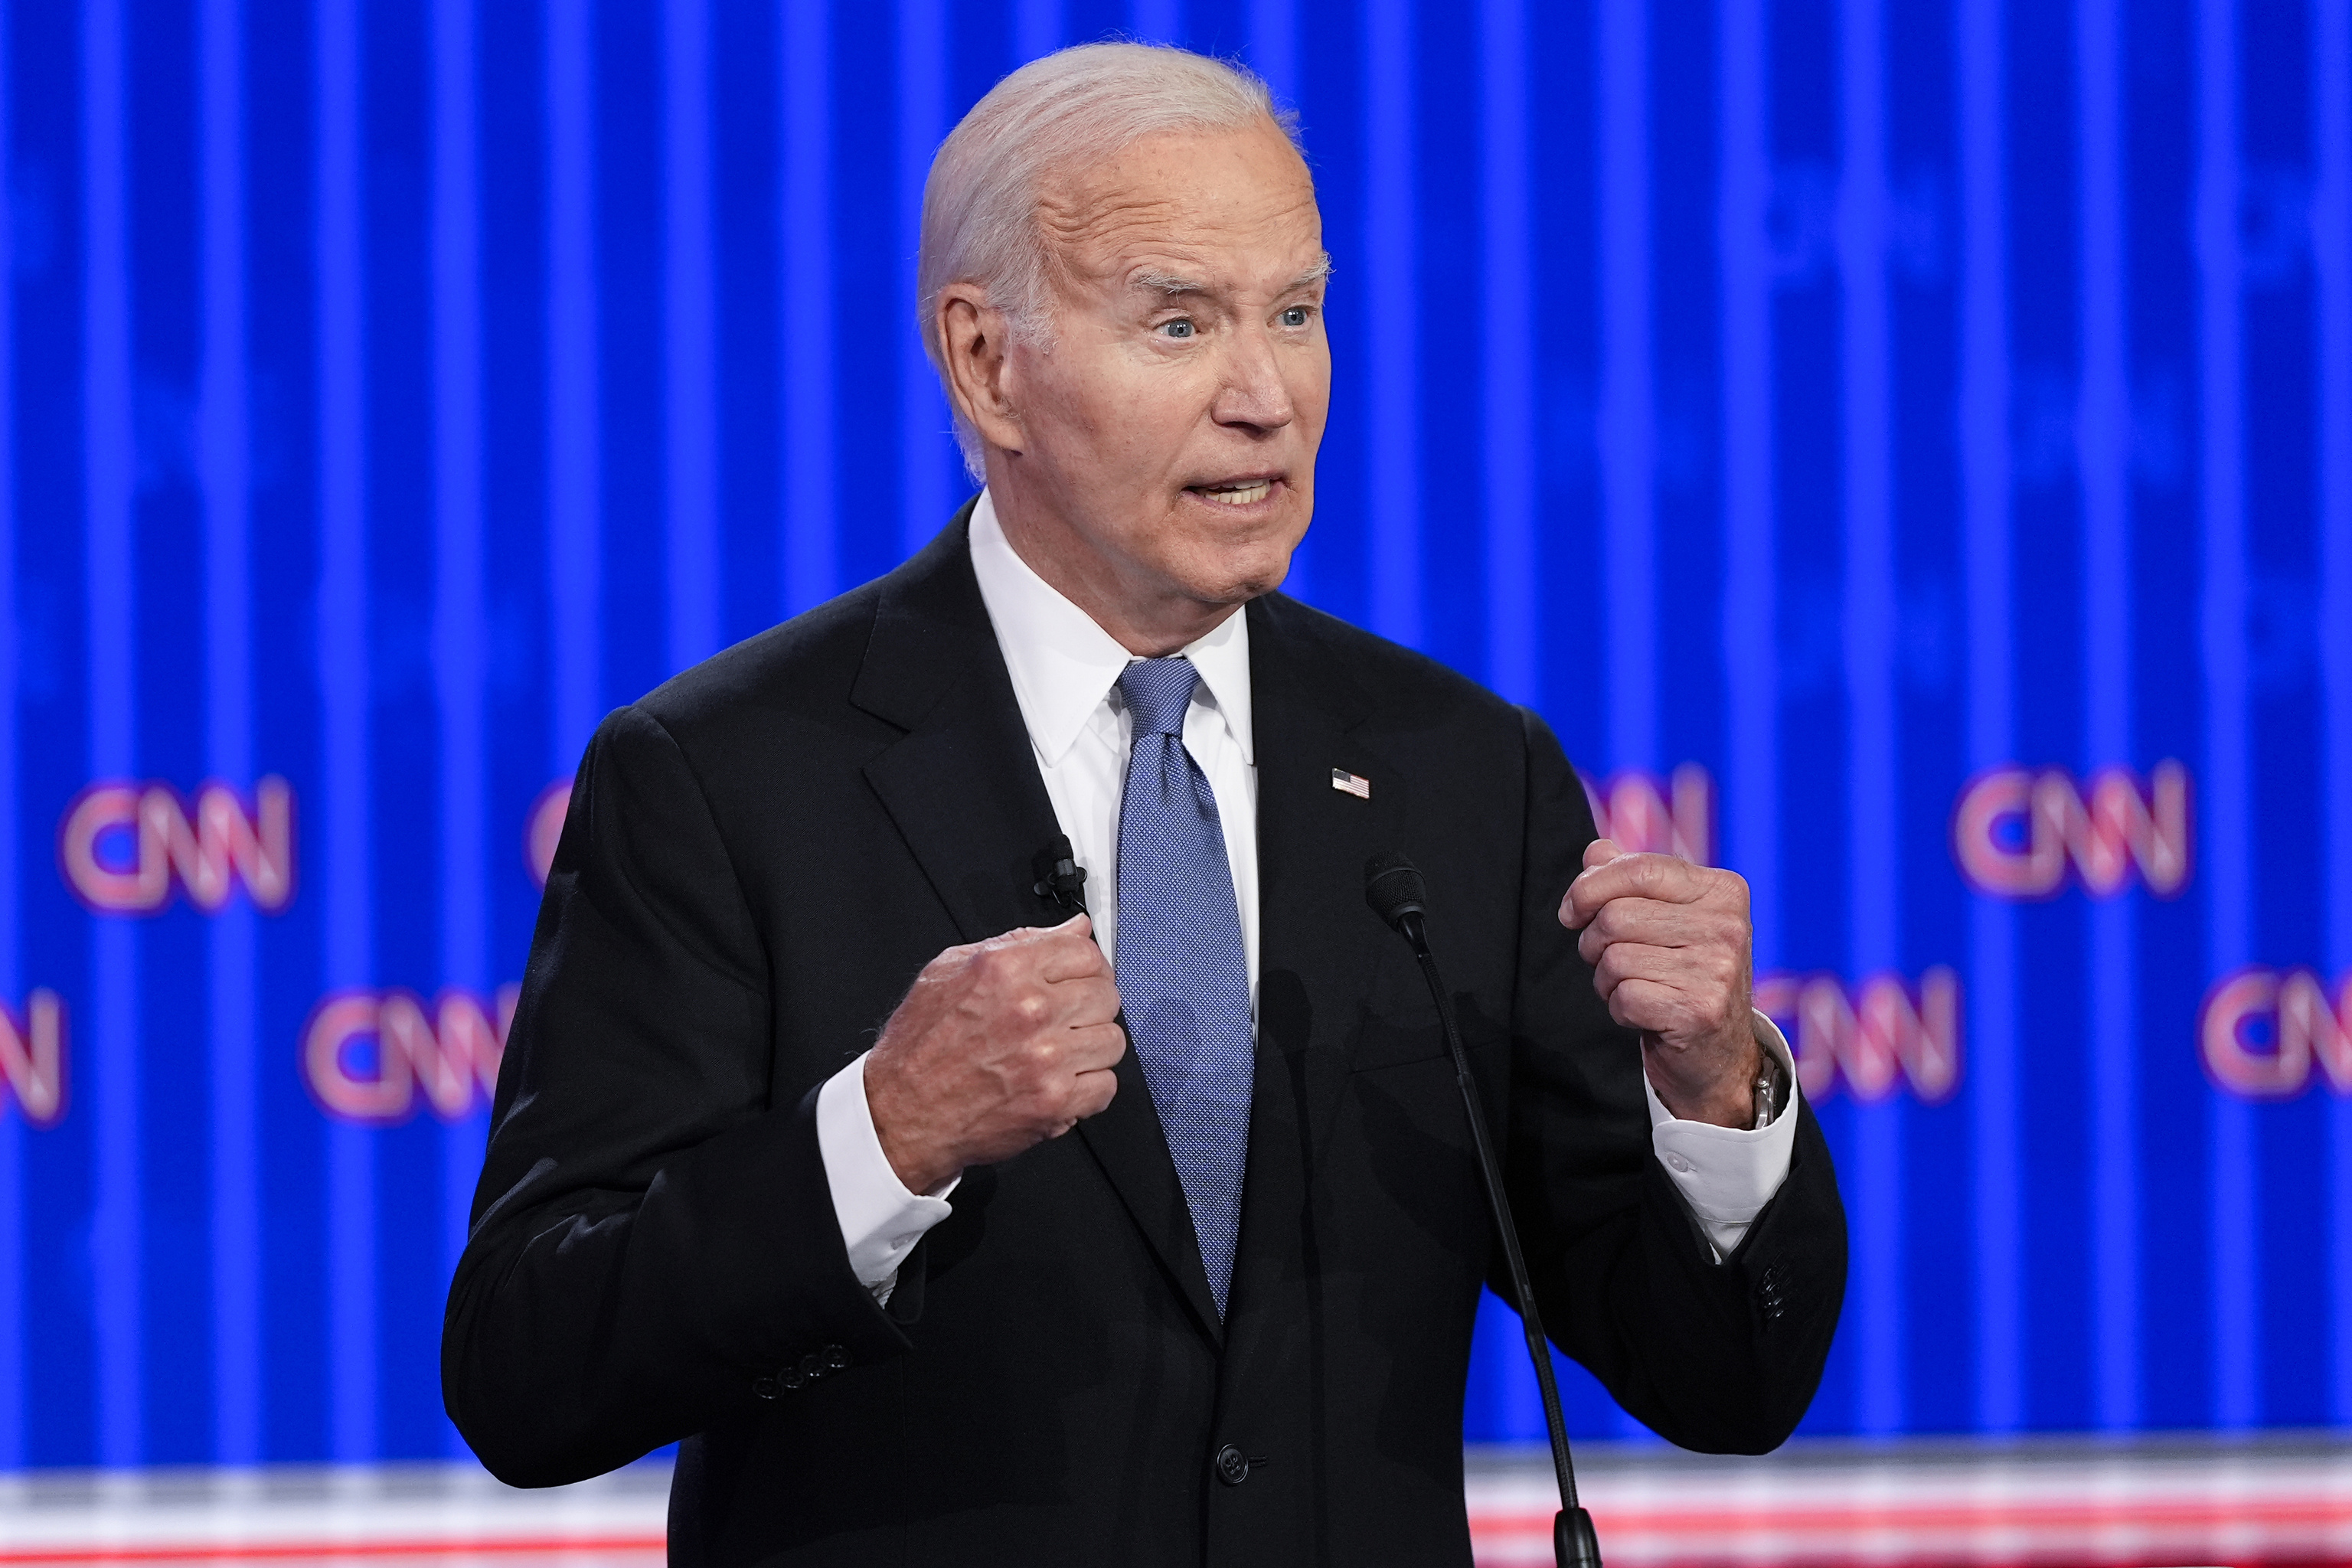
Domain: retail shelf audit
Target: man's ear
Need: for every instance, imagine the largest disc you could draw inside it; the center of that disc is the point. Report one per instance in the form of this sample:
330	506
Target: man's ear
978	351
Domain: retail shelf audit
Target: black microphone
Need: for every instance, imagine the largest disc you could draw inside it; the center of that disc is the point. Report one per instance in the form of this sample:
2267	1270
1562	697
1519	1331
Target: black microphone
1397	894
1061	880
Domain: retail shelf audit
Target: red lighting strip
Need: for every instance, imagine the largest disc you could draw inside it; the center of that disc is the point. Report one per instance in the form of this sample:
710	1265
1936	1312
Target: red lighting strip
1948	1516
192	1552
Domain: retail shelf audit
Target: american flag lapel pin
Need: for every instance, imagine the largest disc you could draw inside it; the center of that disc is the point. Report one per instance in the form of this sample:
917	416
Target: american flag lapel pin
1346	783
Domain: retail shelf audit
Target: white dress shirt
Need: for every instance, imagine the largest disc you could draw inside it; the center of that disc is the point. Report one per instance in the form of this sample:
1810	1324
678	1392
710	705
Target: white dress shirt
1065	671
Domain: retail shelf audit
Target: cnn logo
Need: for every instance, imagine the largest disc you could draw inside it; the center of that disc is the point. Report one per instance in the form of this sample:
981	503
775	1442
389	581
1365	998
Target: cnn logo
32	1057
2016	833
2261	1033
367	1057
1873	1039
123	847
1646	815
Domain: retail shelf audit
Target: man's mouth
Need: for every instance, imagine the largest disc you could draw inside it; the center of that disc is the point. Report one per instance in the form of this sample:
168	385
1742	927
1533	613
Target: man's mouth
1235	493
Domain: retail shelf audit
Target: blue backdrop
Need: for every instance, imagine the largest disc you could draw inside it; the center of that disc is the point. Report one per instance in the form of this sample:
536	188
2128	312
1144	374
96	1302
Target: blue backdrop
1904	449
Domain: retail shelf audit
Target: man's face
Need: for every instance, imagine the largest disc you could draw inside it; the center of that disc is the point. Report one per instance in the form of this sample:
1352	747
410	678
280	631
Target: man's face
1166	431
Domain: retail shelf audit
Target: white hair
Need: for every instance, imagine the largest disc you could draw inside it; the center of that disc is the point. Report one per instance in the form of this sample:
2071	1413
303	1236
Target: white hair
980	203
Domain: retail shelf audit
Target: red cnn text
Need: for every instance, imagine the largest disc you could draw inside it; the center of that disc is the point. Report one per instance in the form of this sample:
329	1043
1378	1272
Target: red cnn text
369	1056
1872	1038
32	1057
2017	833
2261	1033
1646	815
124	846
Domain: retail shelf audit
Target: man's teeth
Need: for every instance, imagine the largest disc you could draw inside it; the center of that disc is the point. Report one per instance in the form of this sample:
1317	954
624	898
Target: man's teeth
1237	495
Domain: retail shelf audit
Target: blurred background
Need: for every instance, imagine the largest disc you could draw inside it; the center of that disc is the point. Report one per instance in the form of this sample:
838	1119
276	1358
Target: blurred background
1904	447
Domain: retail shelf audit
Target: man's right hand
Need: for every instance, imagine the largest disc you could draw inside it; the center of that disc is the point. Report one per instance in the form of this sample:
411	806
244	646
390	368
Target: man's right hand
1000	1046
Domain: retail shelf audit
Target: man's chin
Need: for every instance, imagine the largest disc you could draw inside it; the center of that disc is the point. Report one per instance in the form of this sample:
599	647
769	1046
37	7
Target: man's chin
1234	571
1239	585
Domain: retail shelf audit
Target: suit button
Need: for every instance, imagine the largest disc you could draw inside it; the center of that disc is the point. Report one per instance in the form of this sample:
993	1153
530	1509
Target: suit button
793	1378
812	1366
836	1358
766	1387
1770	1298
1233	1466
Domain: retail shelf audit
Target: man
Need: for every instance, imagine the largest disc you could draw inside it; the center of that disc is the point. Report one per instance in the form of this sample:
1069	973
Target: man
954	1272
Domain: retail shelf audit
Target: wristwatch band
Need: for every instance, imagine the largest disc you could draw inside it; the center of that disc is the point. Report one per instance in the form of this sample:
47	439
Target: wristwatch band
1771	1091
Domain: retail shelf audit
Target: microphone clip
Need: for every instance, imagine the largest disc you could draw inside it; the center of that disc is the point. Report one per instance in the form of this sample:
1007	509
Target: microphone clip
1061	880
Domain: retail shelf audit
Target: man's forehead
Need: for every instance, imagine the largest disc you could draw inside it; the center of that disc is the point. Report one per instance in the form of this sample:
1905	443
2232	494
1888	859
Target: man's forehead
1186	209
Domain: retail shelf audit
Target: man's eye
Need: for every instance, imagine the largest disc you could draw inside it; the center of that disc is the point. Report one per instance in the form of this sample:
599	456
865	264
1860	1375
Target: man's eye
1179	328
1295	316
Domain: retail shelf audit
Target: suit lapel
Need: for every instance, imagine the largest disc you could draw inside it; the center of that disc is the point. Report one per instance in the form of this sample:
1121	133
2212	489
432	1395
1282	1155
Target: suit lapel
963	786
1318	942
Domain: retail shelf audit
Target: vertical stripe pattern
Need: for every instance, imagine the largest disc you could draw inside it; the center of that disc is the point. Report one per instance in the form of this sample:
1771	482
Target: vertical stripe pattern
1832	420
2101	430
2331	59
2235	1346
1985	470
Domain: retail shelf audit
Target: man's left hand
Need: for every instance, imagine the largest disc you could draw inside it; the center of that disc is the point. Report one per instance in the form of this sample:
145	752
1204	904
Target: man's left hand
1669	946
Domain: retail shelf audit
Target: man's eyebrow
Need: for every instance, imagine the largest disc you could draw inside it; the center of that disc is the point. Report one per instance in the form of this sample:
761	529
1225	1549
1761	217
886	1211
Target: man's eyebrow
1177	283
1315	274
1168	283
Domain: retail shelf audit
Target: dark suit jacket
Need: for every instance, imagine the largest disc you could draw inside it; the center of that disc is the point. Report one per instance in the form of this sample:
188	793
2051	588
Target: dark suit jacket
761	854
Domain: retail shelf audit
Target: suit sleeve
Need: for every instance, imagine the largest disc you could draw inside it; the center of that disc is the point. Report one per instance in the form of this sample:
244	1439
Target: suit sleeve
1721	1357
653	1239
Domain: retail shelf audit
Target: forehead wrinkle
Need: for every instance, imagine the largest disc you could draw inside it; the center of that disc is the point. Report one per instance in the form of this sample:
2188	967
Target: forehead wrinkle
1099	227
1091	220
1085	227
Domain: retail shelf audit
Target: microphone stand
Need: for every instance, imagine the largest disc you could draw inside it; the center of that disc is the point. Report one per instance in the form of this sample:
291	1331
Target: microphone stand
1573	1543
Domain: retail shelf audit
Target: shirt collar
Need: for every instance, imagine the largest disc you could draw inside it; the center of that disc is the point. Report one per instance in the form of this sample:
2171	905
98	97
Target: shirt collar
1064	666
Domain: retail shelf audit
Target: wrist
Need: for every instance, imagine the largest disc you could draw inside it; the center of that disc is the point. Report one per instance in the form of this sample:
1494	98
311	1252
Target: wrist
1726	1098
920	1167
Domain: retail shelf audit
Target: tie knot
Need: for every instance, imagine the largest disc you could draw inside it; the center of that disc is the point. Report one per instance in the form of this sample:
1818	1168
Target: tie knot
1158	690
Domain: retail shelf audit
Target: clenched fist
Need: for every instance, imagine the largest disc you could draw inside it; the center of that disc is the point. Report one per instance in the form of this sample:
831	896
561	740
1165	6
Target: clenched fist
998	1045
1669	946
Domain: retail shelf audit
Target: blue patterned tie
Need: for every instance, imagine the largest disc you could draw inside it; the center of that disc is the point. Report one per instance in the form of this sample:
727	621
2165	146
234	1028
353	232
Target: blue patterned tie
1183	979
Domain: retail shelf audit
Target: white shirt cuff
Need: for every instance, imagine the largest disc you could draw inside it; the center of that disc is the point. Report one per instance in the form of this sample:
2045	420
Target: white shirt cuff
880	1220
1727	1174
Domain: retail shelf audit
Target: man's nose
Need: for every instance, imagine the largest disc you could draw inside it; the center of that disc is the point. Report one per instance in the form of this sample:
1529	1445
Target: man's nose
1254	395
